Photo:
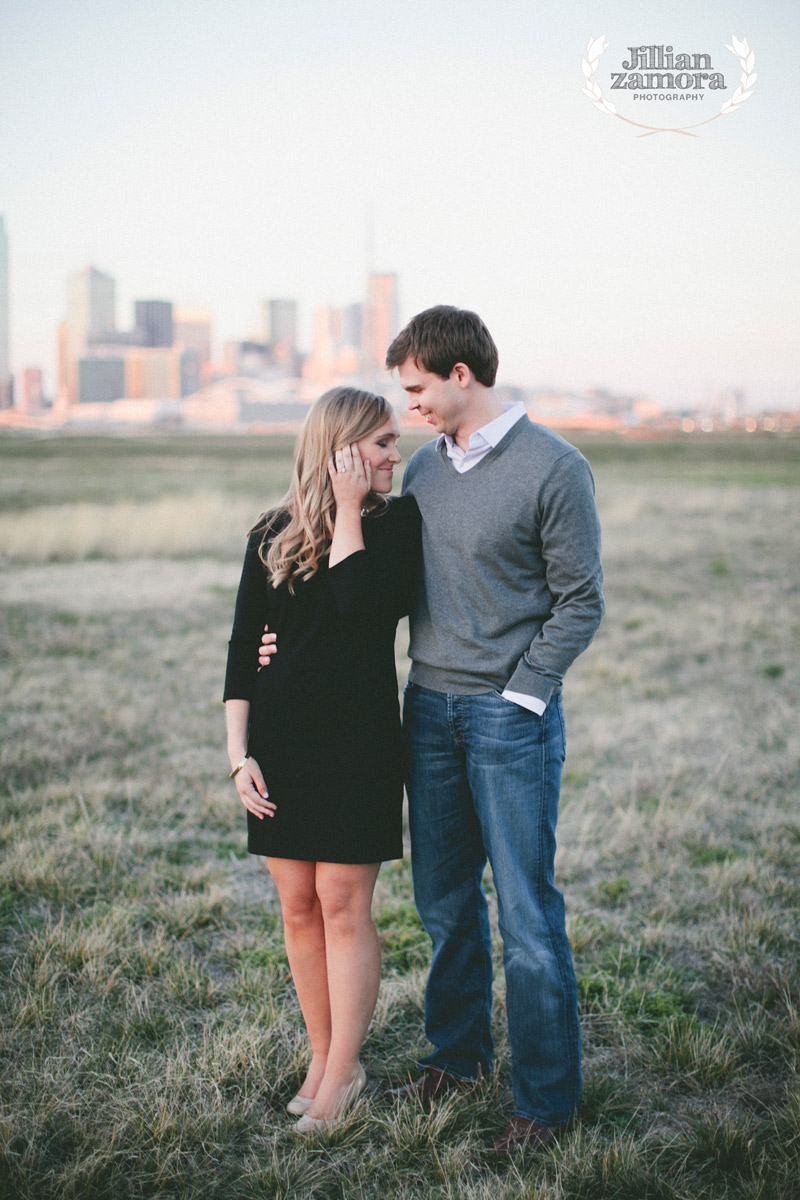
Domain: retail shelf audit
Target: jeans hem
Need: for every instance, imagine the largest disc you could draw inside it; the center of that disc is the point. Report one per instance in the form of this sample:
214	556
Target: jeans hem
425	1064
561	1123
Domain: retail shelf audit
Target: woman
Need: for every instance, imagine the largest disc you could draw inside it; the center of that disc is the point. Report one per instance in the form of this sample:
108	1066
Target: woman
314	739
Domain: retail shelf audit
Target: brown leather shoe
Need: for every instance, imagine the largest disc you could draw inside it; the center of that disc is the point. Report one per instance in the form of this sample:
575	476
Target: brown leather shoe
523	1134
431	1083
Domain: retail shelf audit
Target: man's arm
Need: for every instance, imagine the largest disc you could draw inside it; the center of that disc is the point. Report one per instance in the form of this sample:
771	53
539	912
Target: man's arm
570	538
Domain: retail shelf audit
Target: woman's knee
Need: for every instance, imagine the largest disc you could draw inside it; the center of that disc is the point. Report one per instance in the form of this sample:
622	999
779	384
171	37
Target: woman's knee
300	908
345	895
296	890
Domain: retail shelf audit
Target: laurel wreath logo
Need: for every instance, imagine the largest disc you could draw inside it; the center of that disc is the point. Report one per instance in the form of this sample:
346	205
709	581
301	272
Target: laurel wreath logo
747	60
596	47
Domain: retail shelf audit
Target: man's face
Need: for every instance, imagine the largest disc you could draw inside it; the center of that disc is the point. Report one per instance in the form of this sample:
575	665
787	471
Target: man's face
442	402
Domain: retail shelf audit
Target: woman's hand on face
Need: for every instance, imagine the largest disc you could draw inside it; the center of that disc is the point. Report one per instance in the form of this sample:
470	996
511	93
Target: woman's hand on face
253	791
351	476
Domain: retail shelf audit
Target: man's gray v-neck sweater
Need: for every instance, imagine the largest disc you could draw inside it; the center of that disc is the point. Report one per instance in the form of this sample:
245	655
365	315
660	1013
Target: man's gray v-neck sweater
511	590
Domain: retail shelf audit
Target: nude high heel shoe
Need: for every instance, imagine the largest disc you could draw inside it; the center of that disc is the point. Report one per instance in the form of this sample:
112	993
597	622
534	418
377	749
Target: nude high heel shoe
299	1105
307	1123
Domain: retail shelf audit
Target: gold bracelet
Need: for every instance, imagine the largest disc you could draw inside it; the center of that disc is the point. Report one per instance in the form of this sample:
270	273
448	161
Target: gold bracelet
238	767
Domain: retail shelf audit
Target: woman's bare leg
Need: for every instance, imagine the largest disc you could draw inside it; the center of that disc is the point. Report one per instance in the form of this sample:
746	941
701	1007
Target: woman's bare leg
353	960
304	934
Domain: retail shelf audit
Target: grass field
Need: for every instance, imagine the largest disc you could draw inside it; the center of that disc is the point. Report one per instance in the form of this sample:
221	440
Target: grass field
149	1034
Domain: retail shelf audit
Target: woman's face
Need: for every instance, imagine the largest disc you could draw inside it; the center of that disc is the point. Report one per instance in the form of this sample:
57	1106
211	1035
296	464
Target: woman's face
379	448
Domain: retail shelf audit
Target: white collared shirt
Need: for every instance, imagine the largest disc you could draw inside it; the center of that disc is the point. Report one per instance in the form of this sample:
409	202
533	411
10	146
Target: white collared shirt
482	440
480	443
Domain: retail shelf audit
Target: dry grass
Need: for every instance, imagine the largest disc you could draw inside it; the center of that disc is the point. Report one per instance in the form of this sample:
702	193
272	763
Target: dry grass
171	527
149	1035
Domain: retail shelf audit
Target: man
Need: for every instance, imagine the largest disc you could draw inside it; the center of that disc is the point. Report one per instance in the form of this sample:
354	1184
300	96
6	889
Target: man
511	594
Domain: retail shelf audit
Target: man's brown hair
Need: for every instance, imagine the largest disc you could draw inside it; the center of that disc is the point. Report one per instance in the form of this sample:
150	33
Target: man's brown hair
440	337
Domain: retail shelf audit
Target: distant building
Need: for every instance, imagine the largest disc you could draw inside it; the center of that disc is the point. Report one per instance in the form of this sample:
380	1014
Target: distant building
91	310
191	370
192	330
154	322
100	379
237	401
279	328
380	321
153	373
6	387
30	399
352	325
336	340
319	366
248	358
278	332
91	306
112	339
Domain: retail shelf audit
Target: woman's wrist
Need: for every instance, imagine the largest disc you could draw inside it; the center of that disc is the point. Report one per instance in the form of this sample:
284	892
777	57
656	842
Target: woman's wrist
236	768
351	507
236	755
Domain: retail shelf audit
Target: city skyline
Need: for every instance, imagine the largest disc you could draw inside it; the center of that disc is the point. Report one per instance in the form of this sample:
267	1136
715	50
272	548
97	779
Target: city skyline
221	156
160	372
167	352
167	355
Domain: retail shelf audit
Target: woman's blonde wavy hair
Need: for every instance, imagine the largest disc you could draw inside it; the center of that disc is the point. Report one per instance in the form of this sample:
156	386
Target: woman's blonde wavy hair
339	417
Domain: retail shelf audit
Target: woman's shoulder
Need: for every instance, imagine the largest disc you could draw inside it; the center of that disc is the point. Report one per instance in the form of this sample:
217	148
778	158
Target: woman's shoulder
402	508
395	523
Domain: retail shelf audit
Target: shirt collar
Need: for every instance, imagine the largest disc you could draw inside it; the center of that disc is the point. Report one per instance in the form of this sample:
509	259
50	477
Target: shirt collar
491	433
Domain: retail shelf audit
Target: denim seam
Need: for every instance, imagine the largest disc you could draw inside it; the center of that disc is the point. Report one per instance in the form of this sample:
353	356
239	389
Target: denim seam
569	1025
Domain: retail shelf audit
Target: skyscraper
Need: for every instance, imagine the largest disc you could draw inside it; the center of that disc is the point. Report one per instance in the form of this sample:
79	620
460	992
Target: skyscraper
352	325
192	333
319	366
29	398
335	356
5	361
279	329
91	309
154	322
192	329
380	321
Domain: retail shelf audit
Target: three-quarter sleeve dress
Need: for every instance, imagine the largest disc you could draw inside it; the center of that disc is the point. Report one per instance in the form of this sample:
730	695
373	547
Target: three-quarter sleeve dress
324	714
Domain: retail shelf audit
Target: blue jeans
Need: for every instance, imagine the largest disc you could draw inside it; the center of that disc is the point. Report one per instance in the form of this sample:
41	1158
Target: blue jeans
483	778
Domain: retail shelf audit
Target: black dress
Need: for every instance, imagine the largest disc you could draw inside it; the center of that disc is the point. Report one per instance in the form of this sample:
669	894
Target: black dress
324	714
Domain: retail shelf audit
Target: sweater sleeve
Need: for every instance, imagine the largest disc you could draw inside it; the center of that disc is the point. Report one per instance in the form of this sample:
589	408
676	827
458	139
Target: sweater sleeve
380	581
249	619
570	537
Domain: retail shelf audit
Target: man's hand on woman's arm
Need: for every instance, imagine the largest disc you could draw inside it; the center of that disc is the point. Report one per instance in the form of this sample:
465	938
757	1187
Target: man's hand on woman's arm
268	647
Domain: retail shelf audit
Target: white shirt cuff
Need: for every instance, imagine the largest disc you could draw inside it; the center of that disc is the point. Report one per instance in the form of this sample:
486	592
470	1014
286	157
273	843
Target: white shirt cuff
530	702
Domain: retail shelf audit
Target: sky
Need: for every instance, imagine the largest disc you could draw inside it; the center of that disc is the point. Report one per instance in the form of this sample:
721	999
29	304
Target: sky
220	153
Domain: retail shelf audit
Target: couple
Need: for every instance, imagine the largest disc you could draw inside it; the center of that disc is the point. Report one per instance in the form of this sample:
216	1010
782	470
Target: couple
507	595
